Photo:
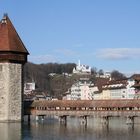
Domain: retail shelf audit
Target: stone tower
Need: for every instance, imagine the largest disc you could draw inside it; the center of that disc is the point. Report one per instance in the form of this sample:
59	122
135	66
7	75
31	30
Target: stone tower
13	55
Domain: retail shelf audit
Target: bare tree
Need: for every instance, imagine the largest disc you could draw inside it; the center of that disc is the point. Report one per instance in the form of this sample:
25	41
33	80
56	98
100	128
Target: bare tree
116	75
94	71
101	72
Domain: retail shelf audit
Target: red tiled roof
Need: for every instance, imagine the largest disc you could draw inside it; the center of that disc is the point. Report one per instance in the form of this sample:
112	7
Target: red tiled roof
112	82
115	84
101	82
88	103
9	38
136	77
136	85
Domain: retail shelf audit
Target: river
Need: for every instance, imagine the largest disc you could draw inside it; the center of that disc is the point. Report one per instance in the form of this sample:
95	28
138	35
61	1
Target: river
51	129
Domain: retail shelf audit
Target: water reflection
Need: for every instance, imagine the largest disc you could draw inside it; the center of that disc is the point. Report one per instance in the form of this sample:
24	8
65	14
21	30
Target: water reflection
10	131
51	129
95	130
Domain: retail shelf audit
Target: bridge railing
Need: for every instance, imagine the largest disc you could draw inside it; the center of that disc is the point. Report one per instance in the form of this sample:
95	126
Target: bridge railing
86	113
88	106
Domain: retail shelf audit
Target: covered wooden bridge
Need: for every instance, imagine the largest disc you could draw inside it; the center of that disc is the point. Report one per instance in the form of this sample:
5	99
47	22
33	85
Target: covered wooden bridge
84	108
94	105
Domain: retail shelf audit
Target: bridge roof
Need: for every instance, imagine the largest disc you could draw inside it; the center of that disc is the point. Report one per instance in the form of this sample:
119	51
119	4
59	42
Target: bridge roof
87	103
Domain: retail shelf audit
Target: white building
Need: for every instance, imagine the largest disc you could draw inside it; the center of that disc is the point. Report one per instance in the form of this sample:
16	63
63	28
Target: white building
83	90
29	87
82	69
130	89
67	97
105	75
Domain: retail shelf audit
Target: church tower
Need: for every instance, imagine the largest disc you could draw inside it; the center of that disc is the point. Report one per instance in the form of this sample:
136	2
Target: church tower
13	56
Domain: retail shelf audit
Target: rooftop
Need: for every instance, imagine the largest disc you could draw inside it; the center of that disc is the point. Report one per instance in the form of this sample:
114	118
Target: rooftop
9	38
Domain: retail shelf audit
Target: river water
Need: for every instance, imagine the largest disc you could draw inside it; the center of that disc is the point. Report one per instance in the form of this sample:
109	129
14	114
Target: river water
52	129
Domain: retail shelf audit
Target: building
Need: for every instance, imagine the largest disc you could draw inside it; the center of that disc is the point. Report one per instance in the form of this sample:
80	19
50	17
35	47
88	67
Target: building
136	84
121	89
99	83
82	69
29	87
83	90
130	89
104	75
104	88
13	55
41	96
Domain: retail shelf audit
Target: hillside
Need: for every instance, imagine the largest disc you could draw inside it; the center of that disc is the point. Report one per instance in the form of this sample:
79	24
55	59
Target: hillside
55	79
54	85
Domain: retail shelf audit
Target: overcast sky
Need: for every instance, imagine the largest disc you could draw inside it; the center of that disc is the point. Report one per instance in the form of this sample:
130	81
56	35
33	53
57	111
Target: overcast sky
101	33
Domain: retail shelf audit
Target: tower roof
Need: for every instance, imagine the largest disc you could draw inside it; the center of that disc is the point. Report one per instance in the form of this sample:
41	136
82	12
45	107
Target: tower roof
9	38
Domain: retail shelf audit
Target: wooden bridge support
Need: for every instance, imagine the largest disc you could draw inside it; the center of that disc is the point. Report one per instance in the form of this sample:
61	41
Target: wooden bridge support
83	120
42	117
105	120
63	119
29	118
37	118
130	120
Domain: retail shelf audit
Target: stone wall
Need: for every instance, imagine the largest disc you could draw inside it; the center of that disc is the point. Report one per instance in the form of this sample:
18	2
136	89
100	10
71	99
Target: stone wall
10	92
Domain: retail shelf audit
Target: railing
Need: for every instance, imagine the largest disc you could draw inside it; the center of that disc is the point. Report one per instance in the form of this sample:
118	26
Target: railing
86	113
84	108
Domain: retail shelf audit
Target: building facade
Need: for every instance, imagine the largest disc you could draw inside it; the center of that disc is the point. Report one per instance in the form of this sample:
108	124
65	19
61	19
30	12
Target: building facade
136	79
122	89
82	69
83	90
29	87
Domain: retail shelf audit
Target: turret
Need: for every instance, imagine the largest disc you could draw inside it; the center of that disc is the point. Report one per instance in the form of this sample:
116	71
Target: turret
13	55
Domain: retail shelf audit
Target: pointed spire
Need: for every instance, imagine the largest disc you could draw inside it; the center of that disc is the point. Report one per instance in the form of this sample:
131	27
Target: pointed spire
9	39
3	21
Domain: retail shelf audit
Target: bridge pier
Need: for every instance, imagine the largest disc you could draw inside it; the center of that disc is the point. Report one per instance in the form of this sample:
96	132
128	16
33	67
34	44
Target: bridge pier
130	120
63	119
37	118
29	118
84	120
105	120
42	117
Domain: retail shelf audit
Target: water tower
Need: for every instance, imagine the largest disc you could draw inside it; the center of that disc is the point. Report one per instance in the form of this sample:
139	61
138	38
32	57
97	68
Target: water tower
13	56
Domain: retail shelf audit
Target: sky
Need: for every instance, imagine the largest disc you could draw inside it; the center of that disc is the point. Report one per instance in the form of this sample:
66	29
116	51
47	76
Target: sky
100	33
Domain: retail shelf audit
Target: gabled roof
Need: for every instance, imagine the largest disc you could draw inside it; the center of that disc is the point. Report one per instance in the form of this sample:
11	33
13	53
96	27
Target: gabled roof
136	77
9	38
87	103
100	82
115	84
